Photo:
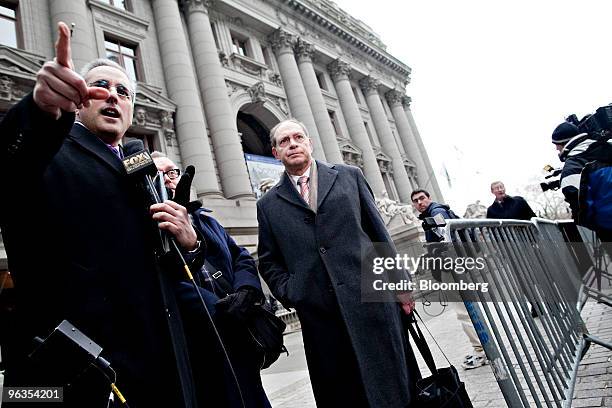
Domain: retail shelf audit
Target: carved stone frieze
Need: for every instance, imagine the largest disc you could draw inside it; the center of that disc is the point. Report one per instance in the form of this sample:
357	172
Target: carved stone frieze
6	88
281	103
140	116
369	85
196	5
275	78
339	69
167	125
257	92
223	59
281	40
248	65
304	50
406	101
394	97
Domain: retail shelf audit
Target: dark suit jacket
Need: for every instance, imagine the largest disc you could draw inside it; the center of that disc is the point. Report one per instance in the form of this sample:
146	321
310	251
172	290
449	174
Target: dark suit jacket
79	245
312	262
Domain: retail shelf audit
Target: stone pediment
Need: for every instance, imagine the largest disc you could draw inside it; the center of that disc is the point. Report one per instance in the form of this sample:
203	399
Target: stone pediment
349	147
408	162
383	157
151	97
20	64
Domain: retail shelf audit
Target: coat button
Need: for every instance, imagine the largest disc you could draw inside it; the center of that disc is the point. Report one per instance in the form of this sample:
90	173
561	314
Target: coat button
307	220
322	250
330	288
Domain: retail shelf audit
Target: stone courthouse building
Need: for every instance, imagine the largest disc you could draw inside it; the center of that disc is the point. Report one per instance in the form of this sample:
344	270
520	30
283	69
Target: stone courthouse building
215	76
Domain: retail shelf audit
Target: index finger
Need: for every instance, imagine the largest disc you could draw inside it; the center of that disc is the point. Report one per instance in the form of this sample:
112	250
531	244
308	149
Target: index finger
63	53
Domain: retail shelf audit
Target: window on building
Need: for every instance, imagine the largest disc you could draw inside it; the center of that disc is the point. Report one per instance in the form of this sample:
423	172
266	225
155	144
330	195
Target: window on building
389	186
399	144
214	31
267	57
321	80
367	128
8	24
356	95
125	55
239	45
333	118
120	4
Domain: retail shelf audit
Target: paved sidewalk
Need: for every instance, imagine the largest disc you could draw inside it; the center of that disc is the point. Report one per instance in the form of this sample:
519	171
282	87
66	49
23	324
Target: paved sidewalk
291	388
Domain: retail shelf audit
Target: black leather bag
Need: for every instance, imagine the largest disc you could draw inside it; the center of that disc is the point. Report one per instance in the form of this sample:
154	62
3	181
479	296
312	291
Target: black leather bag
266	329
443	388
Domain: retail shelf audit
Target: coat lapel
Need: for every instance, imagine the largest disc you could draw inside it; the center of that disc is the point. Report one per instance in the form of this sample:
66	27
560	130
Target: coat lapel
97	147
326	176
288	192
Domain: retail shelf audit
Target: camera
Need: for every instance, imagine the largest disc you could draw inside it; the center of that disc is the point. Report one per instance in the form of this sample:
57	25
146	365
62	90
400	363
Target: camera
552	184
596	124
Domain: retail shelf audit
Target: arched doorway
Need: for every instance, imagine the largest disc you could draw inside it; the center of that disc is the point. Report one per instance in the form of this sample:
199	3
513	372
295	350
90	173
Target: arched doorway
254	122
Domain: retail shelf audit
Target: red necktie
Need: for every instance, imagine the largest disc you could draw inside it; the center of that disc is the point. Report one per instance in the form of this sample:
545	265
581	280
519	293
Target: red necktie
304	191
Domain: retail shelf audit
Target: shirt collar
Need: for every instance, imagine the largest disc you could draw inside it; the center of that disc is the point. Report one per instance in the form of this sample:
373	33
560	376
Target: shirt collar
294	179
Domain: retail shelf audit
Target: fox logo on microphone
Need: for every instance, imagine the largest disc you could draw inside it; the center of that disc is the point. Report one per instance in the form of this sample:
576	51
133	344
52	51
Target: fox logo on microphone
137	161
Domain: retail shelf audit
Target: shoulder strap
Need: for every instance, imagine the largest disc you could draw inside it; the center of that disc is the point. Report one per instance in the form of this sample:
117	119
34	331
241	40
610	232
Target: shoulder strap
421	343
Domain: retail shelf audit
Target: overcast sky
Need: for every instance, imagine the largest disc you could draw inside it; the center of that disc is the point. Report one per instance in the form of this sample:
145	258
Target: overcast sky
491	80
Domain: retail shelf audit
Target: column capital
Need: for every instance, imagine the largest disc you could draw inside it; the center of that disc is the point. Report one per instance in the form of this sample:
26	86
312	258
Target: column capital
394	97
339	69
304	50
406	100
191	6
369	85
281	41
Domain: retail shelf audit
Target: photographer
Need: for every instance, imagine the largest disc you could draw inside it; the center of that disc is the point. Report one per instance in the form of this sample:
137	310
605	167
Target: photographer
576	150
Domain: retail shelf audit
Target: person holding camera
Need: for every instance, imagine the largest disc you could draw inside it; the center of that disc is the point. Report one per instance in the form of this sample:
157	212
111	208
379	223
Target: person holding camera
577	150
422	202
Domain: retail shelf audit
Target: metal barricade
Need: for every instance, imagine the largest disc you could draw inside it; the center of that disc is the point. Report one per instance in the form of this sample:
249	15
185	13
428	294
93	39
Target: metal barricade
528	266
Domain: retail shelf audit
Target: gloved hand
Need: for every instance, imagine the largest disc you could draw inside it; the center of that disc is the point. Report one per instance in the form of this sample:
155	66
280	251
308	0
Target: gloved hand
183	189
240	304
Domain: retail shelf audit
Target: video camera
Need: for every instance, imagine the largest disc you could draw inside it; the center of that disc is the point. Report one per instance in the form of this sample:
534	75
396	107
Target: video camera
552	184
596	124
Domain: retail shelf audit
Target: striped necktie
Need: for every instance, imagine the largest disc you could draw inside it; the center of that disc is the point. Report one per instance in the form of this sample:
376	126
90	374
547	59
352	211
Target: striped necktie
304	191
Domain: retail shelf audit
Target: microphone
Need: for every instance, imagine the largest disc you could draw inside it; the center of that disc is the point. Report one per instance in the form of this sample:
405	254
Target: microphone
139	166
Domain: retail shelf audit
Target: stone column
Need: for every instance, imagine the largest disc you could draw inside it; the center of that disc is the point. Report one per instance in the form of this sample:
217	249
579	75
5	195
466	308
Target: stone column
183	90
305	54
81	43
411	147
340	71
406	100
219	114
282	44
370	87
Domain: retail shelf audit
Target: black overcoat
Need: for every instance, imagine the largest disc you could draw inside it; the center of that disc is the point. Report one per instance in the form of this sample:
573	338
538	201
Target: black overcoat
79	246
312	262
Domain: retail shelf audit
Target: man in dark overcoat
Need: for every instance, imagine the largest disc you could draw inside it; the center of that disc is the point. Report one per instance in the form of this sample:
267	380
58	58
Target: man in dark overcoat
313	226
79	240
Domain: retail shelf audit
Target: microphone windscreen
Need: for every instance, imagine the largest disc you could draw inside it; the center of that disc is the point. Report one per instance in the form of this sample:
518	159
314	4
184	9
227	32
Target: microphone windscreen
139	164
132	147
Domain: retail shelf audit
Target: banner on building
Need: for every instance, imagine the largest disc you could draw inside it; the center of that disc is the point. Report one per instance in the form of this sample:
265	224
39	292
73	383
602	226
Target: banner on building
264	172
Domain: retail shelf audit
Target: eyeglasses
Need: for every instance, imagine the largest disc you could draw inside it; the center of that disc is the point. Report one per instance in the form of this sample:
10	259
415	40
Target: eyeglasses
172	173
122	90
299	138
